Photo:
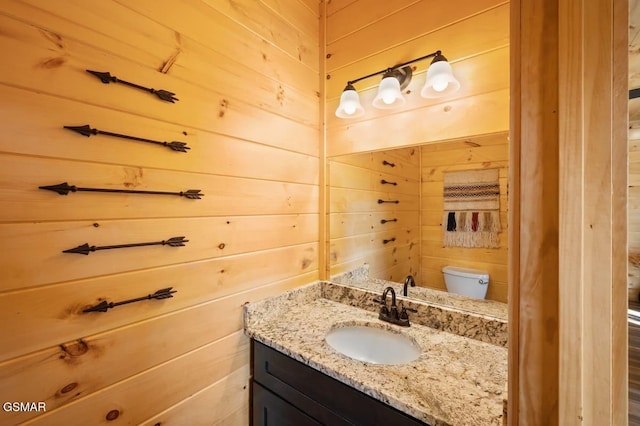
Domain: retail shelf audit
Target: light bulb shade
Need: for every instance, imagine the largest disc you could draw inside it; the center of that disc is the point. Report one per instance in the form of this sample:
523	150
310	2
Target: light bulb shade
389	95
440	80
350	106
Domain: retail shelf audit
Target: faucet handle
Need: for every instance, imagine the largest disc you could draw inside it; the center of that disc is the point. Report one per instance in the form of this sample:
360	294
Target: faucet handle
383	306
404	315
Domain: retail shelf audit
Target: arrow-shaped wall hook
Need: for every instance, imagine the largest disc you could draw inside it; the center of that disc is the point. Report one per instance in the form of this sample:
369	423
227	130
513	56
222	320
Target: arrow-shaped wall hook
103	306
87	131
107	78
86	248
64	188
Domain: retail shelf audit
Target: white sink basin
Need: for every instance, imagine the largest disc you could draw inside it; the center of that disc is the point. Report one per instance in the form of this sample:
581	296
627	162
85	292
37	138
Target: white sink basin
372	344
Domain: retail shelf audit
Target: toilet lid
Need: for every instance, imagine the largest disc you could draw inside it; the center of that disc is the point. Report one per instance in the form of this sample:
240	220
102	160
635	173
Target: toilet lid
466	272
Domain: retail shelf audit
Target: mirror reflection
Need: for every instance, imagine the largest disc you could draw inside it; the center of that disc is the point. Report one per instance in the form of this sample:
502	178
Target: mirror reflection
390	219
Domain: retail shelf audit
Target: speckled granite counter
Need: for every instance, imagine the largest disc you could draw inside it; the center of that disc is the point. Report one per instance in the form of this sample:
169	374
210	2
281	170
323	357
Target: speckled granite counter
455	381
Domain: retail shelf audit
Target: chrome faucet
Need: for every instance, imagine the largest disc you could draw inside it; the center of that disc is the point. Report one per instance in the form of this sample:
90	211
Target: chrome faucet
408	281
391	314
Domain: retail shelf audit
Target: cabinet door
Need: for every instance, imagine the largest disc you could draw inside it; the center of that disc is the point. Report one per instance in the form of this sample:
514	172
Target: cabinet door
270	410
323	398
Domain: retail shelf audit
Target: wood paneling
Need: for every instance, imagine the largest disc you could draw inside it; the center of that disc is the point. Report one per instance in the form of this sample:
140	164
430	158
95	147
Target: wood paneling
469	64
142	345
357	235
473	36
568	310
398	26
162	386
247	76
45	324
467	154
537	138
225	400
633	281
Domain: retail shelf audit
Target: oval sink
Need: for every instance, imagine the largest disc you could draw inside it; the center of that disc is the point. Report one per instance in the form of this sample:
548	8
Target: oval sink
372	344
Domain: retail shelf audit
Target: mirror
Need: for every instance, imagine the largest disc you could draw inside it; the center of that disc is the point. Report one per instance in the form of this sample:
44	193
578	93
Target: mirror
386	210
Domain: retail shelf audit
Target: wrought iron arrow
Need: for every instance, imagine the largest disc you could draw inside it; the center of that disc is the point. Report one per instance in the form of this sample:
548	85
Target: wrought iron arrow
107	78
103	306
64	188
86	248
87	131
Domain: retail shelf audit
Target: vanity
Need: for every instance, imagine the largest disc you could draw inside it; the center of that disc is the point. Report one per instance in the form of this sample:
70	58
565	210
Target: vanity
458	375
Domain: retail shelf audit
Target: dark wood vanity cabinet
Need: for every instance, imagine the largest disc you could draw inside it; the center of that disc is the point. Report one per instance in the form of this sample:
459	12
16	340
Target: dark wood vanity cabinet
286	392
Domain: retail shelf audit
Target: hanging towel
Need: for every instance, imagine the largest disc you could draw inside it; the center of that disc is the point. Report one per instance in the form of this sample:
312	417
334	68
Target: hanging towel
472	206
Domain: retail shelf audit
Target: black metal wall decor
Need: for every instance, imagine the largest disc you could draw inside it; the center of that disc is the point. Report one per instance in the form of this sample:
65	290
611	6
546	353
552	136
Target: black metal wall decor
107	78
86	248
386	182
383	221
64	188
388	201
87	131
103	306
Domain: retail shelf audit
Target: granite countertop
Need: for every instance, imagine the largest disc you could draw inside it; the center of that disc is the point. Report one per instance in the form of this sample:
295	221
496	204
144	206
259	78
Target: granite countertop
455	381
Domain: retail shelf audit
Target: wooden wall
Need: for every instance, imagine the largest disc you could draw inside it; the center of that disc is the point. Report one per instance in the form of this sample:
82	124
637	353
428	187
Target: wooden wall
568	213
363	37
634	152
246	74
633	282
357	234
470	153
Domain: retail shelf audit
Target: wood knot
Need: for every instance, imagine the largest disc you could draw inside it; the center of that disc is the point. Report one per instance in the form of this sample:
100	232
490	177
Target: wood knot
74	349
221	246
52	63
68	388
224	104
112	415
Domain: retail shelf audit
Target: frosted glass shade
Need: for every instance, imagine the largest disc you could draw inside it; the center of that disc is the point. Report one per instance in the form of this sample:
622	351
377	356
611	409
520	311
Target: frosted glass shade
389	95
350	106
440	81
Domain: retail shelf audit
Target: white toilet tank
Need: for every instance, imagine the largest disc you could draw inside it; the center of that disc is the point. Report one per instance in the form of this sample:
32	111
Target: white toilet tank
465	281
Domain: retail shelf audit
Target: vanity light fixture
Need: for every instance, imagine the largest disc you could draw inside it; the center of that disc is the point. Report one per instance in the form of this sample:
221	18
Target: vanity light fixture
440	82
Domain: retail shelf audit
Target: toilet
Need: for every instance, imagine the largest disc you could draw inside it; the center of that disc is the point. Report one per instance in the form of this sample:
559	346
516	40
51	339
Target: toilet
466	282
